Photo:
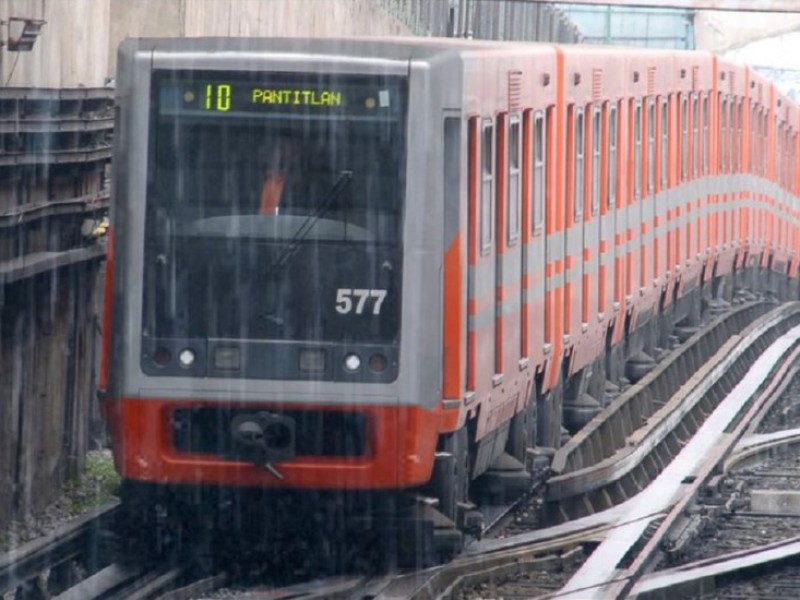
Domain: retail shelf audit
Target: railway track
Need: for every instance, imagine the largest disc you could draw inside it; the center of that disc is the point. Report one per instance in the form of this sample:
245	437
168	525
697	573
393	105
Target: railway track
620	543
75	563
52	563
626	447
563	553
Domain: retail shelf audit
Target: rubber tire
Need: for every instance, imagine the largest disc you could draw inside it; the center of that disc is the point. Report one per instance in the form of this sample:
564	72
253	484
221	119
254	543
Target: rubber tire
451	485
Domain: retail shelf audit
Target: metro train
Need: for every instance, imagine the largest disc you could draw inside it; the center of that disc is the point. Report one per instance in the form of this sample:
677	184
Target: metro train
382	265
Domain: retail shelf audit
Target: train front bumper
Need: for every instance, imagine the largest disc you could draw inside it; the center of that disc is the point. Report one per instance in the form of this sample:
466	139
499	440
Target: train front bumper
186	442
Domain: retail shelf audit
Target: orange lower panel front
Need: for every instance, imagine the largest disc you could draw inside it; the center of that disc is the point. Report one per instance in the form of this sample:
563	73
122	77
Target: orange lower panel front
400	449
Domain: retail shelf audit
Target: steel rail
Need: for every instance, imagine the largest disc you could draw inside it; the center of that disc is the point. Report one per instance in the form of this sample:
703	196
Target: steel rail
649	449
442	580
698	575
65	543
619	582
754	448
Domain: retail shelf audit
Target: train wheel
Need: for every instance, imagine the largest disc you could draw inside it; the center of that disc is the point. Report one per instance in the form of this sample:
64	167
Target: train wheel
450	481
136	523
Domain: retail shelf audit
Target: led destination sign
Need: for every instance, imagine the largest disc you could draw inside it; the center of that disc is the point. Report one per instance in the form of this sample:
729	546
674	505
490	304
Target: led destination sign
220	97
368	97
297	97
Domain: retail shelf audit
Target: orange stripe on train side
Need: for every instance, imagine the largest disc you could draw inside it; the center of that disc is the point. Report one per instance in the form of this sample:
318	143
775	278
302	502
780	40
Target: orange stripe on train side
454	319
105	363
603	288
557	339
474	189
549	321
472	338
500	180
587	282
527	148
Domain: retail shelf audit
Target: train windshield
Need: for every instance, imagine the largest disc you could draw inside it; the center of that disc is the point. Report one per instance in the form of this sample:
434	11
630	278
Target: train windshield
274	207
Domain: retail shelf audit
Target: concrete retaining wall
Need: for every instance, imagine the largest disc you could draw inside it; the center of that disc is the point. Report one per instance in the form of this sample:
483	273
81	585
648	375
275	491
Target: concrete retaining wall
247	18
47	347
78	44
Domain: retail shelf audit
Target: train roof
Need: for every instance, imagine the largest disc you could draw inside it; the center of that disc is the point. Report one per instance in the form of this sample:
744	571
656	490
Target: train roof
400	48
405	48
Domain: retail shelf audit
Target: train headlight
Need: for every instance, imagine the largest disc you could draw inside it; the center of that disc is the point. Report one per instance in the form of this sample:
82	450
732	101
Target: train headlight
352	362
186	358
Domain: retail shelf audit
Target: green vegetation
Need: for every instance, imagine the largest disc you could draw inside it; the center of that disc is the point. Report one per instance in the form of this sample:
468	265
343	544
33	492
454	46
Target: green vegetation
97	485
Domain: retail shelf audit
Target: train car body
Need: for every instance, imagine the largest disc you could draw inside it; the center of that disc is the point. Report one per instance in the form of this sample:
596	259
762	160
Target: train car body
475	245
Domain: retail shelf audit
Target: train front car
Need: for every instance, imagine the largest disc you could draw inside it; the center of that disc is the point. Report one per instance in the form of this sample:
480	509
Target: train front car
267	316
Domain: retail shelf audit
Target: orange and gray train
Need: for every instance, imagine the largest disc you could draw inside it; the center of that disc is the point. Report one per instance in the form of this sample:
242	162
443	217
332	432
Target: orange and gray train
474	242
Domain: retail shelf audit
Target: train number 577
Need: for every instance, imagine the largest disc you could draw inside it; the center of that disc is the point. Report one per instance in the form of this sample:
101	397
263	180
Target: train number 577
349	300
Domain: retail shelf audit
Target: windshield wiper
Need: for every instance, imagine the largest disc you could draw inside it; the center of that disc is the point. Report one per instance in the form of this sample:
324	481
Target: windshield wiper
345	177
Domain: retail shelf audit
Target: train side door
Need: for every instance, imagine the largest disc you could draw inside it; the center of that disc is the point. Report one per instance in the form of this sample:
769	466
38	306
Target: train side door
591	230
662	195
481	274
608	208
534	262
508	249
576	172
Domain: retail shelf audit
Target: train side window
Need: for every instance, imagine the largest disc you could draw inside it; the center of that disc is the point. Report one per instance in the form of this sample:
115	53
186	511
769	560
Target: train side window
613	137
785	161
637	151
723	137
539	170
753	137
739	134
580	169
695	137
706	137
781	154
651	146
785	147
786	151
759	158
766	141
732	141
756	161
765	136
597	130
514	187
778	152
778	148
684	138
762	136
487	185
664	143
